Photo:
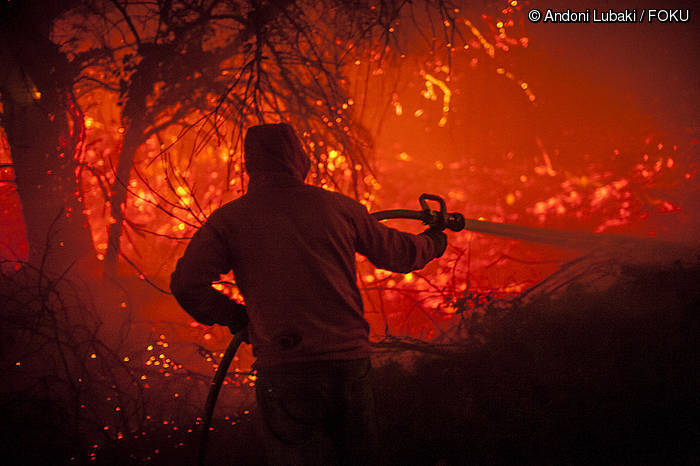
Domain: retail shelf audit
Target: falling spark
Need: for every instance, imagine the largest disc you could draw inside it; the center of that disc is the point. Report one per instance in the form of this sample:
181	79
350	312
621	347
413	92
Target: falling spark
487	46
430	81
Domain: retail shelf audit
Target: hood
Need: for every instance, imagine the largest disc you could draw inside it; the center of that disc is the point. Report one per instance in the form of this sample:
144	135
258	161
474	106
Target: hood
274	150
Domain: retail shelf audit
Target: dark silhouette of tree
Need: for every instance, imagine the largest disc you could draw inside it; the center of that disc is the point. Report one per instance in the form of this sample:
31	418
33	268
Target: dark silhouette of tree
201	72
216	67
44	128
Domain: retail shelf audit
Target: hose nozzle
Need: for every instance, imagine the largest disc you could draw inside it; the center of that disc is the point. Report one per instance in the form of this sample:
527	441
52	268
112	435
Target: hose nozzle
441	219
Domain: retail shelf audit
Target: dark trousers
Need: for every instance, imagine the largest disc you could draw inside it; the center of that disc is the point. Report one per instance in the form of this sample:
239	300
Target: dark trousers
318	413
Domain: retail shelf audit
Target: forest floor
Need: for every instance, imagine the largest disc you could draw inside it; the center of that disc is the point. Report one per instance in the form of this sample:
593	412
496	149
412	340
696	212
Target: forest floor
598	364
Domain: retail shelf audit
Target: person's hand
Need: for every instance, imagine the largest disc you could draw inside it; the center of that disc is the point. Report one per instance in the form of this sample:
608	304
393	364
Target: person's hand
238	320
242	332
439	240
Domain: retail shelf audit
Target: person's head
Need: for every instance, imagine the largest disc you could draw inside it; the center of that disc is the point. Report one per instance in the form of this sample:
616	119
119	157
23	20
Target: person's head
274	149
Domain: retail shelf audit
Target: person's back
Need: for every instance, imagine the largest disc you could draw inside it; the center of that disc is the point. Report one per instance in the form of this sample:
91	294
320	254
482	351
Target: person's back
292	249
294	262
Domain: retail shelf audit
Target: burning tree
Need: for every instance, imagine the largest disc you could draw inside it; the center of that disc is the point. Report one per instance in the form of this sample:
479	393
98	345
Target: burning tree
186	73
211	70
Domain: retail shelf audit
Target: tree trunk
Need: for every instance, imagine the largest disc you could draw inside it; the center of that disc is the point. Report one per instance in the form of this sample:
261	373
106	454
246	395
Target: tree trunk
133	138
135	122
37	109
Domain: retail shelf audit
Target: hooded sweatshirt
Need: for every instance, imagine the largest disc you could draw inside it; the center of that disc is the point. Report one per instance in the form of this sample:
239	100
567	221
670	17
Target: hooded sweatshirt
292	249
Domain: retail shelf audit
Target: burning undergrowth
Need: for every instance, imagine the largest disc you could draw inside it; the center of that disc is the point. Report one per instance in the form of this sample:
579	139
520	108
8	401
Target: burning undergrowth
597	363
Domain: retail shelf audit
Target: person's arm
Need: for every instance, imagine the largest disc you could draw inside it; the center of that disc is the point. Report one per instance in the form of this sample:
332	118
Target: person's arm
205	260
391	249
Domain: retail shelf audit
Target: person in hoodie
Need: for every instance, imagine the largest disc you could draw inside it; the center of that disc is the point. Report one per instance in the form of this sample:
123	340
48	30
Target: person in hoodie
292	249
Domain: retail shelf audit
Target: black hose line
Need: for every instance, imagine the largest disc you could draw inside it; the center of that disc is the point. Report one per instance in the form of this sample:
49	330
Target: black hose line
402	213
214	389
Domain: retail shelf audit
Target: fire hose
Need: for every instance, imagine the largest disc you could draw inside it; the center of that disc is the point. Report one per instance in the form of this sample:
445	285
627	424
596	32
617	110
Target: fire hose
214	389
455	221
441	220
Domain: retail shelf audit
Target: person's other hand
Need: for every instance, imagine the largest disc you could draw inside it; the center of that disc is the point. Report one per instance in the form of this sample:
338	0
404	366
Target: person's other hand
238	320
242	332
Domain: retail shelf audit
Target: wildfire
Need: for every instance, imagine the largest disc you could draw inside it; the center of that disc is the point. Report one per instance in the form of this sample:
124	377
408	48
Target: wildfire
449	126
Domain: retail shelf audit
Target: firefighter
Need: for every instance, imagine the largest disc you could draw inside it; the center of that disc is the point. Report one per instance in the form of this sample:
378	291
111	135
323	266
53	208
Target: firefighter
292	248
